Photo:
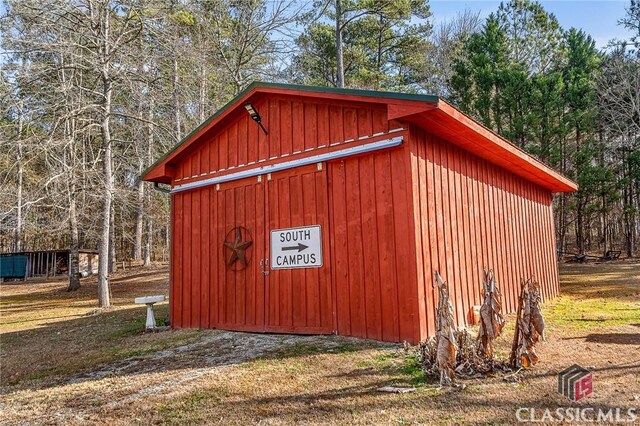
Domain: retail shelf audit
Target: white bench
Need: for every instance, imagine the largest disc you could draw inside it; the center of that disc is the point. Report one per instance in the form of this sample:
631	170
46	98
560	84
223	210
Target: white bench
149	301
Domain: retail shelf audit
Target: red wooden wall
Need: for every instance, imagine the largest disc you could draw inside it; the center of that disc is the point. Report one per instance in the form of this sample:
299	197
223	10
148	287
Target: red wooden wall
299	300
470	214
374	269
371	285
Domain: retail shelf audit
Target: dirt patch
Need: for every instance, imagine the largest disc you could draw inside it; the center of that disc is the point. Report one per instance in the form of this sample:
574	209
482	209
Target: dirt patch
102	369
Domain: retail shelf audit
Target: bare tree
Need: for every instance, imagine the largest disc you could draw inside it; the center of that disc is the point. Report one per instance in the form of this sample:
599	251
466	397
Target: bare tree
619	100
242	40
447	43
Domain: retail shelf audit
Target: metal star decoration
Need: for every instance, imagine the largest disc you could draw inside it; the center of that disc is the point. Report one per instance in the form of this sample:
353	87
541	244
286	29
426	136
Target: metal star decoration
238	247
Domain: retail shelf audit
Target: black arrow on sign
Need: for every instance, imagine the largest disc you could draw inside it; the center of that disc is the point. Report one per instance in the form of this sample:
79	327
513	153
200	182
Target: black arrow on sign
299	247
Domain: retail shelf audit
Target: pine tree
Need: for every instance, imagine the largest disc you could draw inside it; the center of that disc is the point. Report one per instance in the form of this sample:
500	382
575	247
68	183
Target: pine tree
364	44
579	74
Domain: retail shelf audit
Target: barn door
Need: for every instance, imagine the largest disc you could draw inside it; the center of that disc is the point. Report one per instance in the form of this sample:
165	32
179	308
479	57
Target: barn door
240	210
298	286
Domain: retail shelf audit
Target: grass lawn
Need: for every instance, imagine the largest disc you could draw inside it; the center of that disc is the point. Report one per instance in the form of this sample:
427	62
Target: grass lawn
64	362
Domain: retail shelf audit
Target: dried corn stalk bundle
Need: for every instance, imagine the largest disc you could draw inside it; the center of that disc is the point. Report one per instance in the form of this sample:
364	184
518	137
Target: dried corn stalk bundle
428	356
537	320
491	319
529	325
446	346
465	353
453	352
467	363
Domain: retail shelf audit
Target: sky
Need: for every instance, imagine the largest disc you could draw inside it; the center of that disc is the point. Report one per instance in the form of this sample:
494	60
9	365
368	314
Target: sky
596	17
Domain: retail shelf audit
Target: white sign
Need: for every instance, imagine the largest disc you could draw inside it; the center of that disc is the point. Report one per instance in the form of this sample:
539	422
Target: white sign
296	247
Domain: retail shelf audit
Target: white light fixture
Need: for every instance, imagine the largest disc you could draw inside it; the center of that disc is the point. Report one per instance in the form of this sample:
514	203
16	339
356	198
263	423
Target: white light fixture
255	116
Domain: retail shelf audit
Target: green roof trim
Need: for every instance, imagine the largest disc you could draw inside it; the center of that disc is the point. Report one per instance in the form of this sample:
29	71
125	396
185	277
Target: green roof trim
346	91
310	89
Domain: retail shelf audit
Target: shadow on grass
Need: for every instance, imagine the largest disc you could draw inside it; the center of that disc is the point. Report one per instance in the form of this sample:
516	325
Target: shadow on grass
35	307
600	281
601	290
50	349
113	343
361	403
25	321
128	278
615	338
57	288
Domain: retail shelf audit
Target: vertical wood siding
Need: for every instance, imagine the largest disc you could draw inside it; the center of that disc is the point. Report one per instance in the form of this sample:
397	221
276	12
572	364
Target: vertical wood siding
470	214
373	247
299	300
239	296
294	124
368	289
205	293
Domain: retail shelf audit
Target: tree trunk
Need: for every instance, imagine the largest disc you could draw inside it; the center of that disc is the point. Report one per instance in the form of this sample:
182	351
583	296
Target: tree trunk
628	225
148	242
107	178
103	249
203	89
18	232
339	58
605	224
628	207
137	248
580	227
562	229
113	266
74	256
18	235
580	199
149	235
176	101
378	55
167	238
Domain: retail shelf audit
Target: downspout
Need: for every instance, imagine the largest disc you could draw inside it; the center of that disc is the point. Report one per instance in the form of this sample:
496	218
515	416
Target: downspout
159	188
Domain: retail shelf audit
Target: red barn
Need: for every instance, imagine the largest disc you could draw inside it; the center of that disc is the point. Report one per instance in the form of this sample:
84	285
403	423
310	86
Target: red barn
302	209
